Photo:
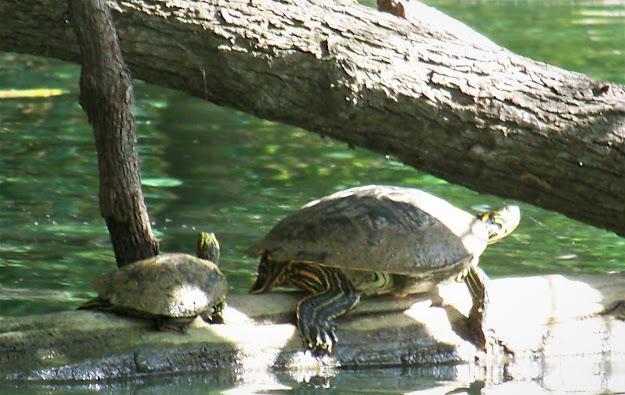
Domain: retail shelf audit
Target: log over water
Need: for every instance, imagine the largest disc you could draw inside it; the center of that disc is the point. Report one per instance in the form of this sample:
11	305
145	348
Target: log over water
427	91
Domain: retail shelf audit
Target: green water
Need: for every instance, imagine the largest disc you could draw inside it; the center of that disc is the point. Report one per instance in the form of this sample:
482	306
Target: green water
211	168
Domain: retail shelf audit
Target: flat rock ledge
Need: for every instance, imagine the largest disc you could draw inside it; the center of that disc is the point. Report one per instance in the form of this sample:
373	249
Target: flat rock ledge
557	329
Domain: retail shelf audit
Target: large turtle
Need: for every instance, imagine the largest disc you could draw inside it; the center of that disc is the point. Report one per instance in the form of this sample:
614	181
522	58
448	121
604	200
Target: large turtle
375	240
170	289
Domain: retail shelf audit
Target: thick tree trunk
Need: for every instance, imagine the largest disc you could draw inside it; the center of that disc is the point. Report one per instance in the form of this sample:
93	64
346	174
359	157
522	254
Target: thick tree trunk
450	103
107	96
547	322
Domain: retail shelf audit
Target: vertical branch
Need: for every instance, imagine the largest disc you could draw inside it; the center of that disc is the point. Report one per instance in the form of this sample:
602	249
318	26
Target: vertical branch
107	96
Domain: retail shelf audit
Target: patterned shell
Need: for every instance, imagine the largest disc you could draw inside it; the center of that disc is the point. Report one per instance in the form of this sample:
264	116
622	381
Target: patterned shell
175	285
383	228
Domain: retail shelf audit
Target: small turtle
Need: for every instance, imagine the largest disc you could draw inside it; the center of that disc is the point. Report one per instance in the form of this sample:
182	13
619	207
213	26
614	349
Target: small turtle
375	240
170	289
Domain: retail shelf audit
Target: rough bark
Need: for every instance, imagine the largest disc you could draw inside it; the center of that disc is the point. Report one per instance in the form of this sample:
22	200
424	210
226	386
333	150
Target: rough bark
424	92
547	321
107	96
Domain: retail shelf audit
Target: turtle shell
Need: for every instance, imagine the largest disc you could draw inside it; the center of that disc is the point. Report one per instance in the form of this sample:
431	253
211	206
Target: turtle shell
382	228
172	285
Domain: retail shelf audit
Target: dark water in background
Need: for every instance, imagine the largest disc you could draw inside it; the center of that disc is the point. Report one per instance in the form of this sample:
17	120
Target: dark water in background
211	168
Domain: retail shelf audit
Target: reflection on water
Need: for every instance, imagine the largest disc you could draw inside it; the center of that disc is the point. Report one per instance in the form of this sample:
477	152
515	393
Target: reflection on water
212	168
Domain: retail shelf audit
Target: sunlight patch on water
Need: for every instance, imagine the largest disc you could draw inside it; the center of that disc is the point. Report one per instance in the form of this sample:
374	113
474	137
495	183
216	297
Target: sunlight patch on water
161	182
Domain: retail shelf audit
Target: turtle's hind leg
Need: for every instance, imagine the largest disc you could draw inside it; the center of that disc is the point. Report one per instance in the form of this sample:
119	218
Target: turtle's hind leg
333	295
270	273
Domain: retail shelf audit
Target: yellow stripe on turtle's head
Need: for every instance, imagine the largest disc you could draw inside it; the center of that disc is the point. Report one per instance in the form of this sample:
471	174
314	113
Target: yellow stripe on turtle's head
208	247
501	222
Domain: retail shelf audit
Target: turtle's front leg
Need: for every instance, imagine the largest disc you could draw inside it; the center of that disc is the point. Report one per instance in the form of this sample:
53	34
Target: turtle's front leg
216	314
333	295
476	280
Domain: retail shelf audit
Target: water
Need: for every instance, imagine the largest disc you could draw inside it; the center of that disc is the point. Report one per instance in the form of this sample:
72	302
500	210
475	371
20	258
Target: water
211	168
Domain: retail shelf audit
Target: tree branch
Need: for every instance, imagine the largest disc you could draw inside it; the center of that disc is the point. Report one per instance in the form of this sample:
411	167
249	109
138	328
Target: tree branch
107	96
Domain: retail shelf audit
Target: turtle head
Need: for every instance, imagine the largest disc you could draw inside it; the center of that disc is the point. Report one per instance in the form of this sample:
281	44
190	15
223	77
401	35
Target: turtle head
501	222
208	247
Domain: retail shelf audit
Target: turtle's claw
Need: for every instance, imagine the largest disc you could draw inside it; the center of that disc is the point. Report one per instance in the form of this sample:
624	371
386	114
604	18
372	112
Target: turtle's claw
321	340
478	337
333	334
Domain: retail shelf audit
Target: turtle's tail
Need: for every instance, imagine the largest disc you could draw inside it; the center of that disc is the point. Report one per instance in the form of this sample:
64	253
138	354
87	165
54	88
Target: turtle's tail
98	304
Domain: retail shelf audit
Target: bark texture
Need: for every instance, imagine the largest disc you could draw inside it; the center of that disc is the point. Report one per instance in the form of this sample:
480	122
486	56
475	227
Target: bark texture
547	321
425	91
107	96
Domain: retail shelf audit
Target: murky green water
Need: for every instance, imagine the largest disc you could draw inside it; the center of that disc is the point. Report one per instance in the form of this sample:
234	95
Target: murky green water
210	168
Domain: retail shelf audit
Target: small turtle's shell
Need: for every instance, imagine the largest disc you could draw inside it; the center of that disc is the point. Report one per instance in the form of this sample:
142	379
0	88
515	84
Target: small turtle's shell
391	229
173	285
